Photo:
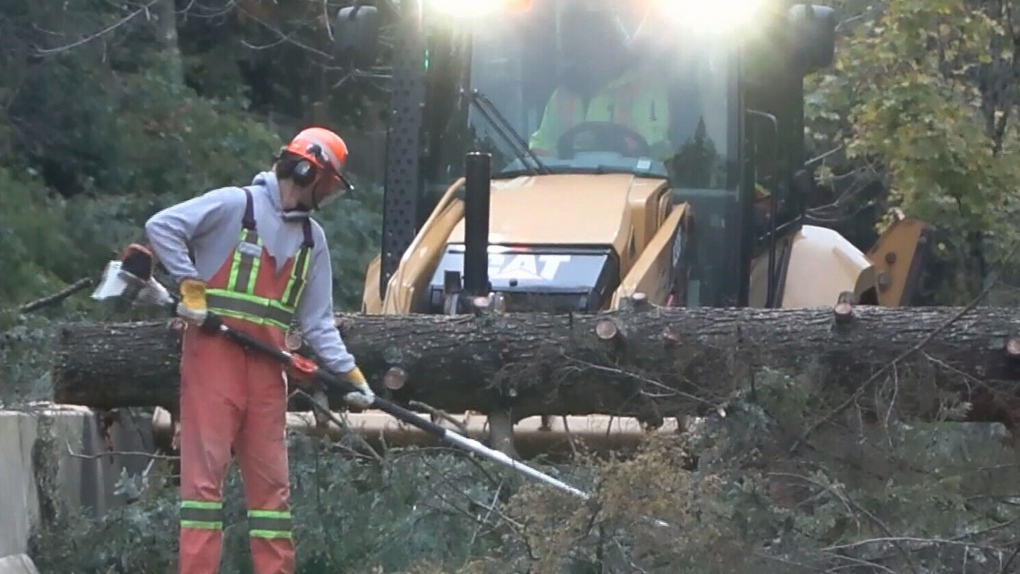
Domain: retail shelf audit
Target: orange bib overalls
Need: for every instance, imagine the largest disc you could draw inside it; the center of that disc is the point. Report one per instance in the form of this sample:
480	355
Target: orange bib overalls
235	398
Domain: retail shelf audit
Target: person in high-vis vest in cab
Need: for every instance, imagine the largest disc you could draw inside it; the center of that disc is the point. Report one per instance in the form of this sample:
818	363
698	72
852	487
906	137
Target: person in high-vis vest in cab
604	80
627	101
253	256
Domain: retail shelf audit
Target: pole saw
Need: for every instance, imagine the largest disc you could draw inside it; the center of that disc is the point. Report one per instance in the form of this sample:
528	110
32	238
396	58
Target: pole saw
130	278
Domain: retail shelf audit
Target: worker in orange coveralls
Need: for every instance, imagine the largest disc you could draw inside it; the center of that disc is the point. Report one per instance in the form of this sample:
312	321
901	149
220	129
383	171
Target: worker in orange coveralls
259	261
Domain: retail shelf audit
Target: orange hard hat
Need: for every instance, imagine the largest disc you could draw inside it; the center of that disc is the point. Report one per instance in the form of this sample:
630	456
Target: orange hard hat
323	148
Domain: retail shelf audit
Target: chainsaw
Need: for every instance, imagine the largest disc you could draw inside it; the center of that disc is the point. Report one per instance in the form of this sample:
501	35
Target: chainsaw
130	279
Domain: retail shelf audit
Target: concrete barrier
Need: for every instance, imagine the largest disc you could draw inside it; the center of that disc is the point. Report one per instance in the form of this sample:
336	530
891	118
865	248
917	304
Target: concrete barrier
17	564
79	472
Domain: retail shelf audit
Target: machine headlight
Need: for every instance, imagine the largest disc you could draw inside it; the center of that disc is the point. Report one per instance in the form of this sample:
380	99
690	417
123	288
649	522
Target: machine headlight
712	16
472	8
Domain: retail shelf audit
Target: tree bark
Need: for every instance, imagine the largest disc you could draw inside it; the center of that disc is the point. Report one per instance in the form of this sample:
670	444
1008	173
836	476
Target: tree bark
166	34
647	364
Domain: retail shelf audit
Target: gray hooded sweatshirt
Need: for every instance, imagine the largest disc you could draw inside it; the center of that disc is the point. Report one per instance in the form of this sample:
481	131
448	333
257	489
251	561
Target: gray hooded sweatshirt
211	224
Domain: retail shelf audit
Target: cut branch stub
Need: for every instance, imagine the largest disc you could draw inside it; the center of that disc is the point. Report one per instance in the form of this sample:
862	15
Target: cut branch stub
610	331
482	304
499	303
670	337
501	433
176	325
844	310
637	302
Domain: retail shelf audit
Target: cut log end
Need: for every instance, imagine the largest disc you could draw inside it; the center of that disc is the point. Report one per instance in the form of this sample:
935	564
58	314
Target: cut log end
607	330
395	378
1013	347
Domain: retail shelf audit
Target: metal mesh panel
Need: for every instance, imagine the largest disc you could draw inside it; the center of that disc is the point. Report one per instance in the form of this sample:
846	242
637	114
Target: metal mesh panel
403	146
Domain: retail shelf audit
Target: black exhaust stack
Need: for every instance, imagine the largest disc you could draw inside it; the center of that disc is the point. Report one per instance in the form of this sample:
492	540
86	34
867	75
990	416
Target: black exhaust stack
477	184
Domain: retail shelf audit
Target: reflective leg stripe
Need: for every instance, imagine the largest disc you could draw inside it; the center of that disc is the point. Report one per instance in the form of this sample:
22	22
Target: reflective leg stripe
201	515
269	524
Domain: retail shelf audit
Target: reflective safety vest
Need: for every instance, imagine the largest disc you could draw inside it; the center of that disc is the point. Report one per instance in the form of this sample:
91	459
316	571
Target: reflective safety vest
246	295
629	101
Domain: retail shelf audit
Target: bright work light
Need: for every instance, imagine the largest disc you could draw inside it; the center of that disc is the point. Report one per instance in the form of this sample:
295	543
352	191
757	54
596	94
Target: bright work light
471	8
709	15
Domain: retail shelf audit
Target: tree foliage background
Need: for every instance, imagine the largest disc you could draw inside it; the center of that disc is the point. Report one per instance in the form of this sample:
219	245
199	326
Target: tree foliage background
112	110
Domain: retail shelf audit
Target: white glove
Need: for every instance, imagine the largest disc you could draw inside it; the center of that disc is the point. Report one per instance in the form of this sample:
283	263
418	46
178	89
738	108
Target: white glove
365	397
194	316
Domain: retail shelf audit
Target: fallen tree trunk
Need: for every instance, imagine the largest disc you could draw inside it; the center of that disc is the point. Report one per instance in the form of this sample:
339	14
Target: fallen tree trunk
647	364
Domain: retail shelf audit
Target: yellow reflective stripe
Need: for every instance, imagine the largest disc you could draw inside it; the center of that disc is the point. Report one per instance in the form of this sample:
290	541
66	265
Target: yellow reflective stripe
259	307
201	514
234	269
235	266
245	266
269	534
269	523
200	525
238	299
296	285
201	504
254	320
254	273
269	514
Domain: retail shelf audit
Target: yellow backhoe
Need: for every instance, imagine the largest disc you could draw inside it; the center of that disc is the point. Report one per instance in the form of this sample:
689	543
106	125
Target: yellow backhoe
565	155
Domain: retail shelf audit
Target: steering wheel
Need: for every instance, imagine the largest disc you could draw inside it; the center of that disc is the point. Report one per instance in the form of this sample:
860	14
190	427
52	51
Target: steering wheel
609	136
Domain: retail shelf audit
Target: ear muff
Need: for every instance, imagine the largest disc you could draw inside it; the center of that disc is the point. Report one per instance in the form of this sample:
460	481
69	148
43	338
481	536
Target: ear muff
304	172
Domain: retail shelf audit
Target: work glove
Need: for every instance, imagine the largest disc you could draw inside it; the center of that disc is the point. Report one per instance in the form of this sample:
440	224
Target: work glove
192	307
365	397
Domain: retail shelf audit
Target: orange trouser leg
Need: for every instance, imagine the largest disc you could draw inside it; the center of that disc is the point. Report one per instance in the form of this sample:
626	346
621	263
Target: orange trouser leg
213	401
262	455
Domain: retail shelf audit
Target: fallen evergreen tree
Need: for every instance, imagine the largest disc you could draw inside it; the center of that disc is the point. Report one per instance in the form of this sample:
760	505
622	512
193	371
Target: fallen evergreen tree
648	364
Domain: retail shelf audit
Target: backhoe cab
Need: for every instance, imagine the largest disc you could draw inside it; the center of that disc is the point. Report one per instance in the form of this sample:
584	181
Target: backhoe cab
564	155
